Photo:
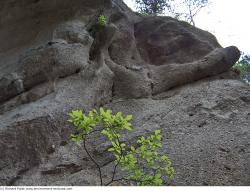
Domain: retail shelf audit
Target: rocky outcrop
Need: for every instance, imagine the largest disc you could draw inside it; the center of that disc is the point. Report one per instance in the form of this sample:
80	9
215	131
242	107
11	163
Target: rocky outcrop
59	60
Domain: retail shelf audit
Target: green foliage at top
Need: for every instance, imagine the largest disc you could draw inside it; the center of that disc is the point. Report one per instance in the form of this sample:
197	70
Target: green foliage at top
182	9
152	7
141	164
243	66
102	20
98	27
143	14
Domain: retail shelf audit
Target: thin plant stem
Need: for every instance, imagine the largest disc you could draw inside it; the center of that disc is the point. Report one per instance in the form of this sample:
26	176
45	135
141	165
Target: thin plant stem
93	160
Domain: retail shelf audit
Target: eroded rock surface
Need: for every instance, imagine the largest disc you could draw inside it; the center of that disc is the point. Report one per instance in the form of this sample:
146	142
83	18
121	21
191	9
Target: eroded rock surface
59	60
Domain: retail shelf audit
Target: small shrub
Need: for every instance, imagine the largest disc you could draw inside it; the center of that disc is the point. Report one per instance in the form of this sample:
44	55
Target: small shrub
102	20
243	67
98	27
142	164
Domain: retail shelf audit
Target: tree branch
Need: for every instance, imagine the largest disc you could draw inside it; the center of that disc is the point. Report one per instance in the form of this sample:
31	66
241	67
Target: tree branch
114	171
115	180
113	174
93	160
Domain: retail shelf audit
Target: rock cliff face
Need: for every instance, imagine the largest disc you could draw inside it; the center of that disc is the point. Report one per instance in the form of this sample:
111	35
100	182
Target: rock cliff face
168	74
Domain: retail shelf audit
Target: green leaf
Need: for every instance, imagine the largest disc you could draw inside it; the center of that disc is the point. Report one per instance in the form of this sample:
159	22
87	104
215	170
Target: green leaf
157	132
104	132
128	127
102	111
111	149
122	145
132	148
129	117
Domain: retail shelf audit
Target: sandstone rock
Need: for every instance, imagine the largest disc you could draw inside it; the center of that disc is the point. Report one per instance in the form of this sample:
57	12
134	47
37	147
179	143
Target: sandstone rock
129	83
162	40
135	65
73	32
171	75
49	62
205	127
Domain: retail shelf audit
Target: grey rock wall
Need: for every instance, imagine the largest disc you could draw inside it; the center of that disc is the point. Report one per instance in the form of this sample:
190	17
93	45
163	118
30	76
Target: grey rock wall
168	74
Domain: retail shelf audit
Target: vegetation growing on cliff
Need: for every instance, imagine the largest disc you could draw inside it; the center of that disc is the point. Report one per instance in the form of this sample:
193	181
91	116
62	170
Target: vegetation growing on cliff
182	9
243	66
102	20
141	164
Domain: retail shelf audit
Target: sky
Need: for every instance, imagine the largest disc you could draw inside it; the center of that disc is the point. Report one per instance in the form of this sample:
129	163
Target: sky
228	20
